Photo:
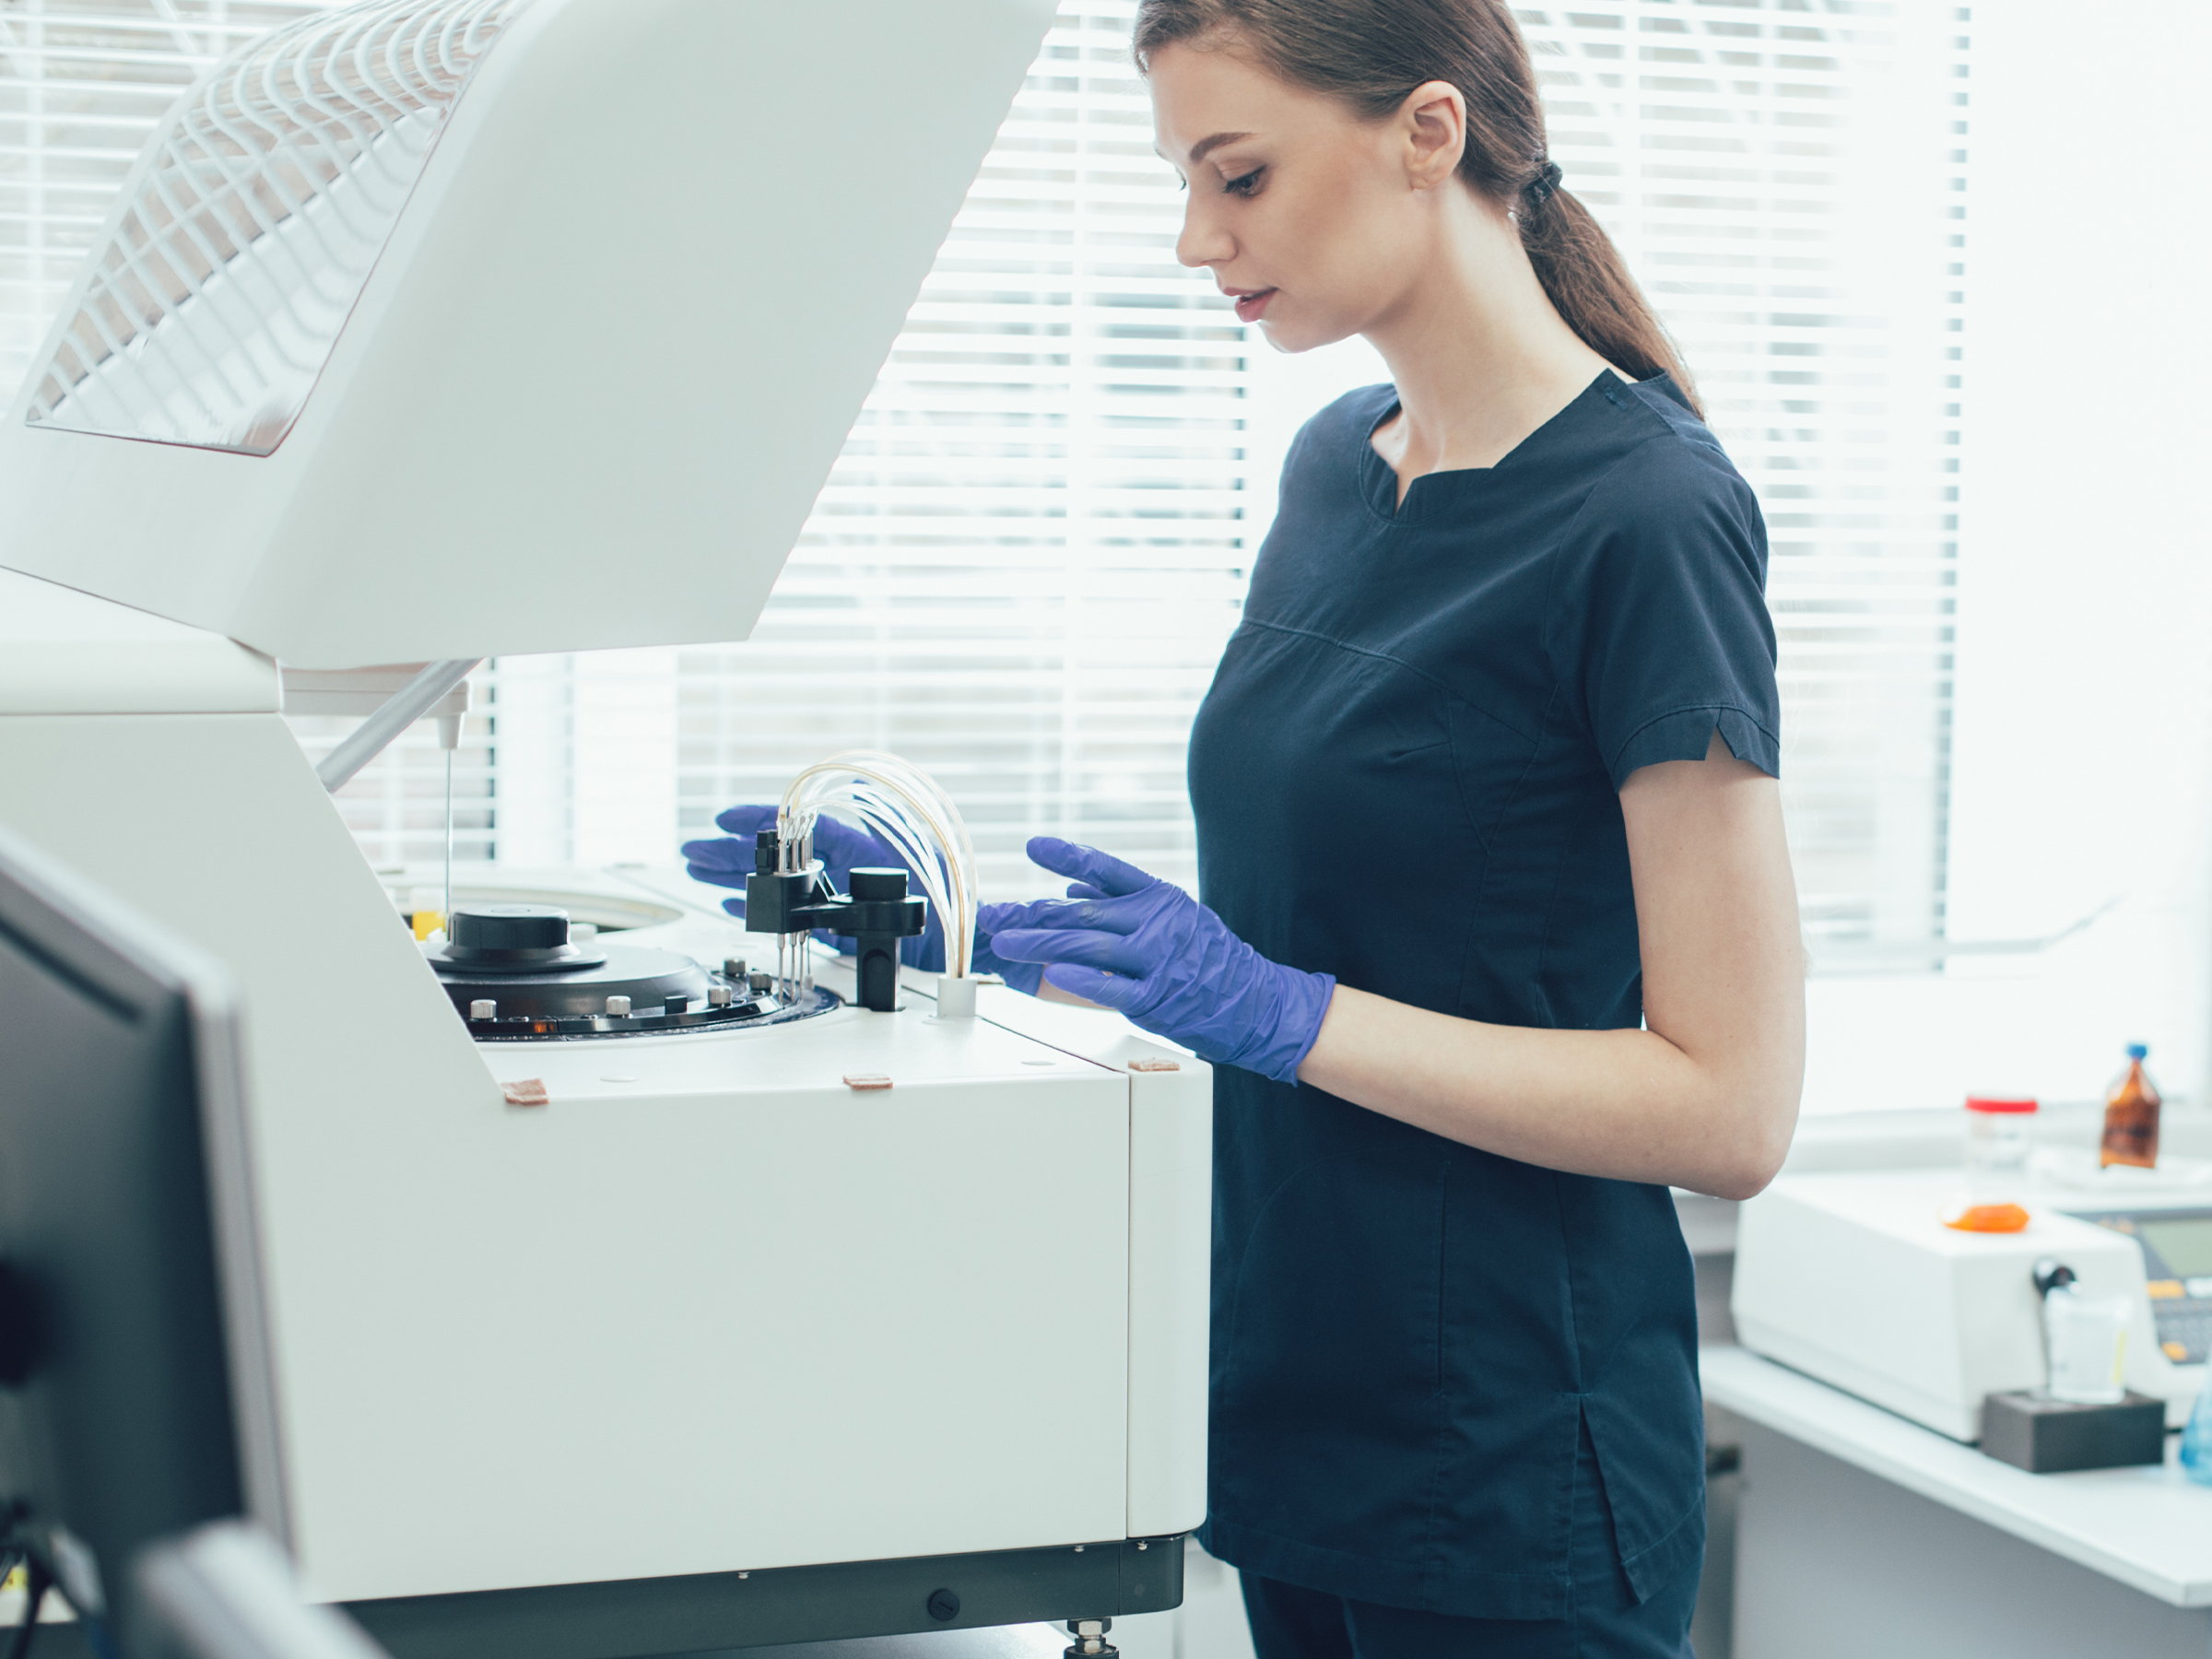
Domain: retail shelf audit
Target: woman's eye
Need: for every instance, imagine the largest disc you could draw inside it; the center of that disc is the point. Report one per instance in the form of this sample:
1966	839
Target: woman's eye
1246	185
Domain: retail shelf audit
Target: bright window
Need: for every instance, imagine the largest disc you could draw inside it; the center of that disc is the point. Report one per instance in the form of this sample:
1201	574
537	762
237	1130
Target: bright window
1022	568
1787	180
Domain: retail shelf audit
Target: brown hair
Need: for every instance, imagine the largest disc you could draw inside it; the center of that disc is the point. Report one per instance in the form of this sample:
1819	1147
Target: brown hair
1371	53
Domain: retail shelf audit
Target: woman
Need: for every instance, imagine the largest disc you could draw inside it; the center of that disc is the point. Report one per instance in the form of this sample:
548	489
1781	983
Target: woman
1486	776
1497	936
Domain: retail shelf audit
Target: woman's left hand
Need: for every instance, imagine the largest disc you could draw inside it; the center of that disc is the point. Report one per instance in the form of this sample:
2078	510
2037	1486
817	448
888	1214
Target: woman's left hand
1132	942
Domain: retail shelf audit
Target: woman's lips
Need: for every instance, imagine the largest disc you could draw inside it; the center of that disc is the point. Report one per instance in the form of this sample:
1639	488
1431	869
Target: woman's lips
1250	307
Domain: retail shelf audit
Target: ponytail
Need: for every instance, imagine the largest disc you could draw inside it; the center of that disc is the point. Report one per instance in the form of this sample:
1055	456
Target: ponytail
1589	286
1372	53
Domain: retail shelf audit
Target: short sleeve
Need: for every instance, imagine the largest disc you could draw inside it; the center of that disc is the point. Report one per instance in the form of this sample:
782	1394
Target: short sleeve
1666	574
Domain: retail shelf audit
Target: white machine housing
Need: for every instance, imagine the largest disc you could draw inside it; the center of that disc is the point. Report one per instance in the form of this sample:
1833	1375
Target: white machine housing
1853	1278
709	1309
741	1312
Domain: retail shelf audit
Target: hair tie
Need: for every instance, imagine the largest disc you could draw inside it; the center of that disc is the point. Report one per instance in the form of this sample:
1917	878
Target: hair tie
1540	190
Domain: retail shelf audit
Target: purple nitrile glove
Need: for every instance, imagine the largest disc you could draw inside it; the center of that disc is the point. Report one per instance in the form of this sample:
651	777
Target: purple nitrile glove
841	848
1146	948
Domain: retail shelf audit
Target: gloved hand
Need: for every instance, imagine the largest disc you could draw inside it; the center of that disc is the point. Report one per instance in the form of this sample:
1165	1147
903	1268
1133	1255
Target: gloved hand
841	848
1146	948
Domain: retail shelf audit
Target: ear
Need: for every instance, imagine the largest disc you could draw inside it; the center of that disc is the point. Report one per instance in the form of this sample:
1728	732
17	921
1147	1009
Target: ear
1434	120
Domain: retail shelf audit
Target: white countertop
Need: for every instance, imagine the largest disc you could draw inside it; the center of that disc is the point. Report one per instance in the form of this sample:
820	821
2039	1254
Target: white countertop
2149	1528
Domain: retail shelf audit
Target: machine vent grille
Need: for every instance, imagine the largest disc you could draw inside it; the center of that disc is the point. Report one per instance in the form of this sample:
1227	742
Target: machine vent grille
247	231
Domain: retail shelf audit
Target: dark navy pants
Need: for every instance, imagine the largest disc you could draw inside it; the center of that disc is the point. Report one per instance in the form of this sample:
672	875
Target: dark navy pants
1606	1620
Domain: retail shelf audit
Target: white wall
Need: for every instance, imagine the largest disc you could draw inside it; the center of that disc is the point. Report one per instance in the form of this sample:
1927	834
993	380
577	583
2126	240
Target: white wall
2084	705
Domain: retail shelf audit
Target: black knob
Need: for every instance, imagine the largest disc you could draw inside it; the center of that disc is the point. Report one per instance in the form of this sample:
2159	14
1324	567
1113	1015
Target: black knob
766	852
507	927
878	883
944	1606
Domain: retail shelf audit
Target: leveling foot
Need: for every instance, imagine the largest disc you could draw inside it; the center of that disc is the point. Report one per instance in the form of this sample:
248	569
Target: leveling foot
1090	1639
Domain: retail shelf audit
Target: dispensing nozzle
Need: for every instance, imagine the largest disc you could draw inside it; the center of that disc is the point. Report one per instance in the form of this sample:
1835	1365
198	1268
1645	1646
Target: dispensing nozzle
876	915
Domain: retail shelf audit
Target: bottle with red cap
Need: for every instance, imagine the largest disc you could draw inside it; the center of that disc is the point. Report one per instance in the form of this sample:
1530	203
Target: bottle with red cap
1997	1166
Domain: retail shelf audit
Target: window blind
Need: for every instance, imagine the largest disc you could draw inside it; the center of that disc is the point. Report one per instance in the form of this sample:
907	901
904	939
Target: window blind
1787	179
1026	560
1028	555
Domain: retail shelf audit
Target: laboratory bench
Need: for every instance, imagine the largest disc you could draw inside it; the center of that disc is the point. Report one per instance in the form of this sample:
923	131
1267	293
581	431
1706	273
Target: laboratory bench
1837	1528
1860	1532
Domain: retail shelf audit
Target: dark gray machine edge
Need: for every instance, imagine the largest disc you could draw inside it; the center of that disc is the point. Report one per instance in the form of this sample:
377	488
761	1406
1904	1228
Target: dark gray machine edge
642	1618
217	1047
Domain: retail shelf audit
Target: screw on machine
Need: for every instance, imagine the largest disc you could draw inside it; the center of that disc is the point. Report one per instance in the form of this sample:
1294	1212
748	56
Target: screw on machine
1090	1639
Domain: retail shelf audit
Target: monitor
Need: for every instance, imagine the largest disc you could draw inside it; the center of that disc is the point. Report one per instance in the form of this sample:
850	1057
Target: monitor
134	1393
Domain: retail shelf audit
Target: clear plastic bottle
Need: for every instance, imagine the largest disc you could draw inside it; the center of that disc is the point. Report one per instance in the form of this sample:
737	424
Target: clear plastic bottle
2196	1438
2087	1339
2131	1116
1997	1166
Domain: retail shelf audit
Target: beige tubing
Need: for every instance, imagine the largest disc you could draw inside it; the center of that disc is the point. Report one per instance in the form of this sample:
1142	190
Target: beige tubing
911	812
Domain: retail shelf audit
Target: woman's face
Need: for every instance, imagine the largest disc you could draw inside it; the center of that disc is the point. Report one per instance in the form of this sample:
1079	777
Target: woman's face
1316	222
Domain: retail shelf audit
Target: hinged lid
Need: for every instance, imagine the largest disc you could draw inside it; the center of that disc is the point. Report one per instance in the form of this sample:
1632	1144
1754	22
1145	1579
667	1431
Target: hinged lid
65	653
652	256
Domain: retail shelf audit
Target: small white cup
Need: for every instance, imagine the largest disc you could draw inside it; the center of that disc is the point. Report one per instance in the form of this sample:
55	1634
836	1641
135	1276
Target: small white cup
2087	1341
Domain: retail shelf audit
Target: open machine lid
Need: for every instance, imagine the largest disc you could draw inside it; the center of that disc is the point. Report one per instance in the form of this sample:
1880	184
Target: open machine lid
432	329
65	653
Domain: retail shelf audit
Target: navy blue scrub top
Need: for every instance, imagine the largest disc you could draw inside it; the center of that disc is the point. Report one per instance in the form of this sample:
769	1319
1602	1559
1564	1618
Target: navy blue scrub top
1406	774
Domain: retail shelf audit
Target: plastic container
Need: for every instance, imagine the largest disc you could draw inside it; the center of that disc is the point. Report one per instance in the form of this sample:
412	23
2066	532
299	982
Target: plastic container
2131	1116
2087	1336
2196	1438
1996	1166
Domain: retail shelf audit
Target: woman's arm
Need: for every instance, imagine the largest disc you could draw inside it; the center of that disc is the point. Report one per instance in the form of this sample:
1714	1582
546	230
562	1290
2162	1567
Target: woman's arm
1706	1096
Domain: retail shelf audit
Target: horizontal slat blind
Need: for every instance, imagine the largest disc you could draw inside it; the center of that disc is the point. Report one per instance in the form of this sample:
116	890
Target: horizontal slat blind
1786	177
1031	551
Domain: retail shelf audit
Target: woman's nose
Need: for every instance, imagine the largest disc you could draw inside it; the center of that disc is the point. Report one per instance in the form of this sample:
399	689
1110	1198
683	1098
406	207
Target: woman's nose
1202	242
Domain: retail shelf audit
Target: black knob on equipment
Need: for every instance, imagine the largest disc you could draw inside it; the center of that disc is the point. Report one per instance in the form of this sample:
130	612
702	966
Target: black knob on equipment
877	884
507	927
2052	1274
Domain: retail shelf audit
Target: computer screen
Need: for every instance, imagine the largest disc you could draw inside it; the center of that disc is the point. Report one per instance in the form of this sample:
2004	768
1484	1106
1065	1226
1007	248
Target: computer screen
119	1098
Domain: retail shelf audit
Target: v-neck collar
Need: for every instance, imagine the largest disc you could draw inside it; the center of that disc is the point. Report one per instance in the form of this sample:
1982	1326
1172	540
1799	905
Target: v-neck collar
1434	492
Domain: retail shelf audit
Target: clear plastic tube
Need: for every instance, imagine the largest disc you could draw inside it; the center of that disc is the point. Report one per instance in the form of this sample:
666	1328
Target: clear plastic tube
910	812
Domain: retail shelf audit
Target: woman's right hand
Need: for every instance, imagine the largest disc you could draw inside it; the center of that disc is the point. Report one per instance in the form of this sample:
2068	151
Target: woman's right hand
1124	939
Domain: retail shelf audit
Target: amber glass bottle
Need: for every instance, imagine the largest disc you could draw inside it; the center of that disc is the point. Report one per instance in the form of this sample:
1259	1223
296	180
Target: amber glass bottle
2131	1116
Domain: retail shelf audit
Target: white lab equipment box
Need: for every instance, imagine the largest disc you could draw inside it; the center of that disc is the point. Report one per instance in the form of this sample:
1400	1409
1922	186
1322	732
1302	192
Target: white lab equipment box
710	1309
1854	1279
